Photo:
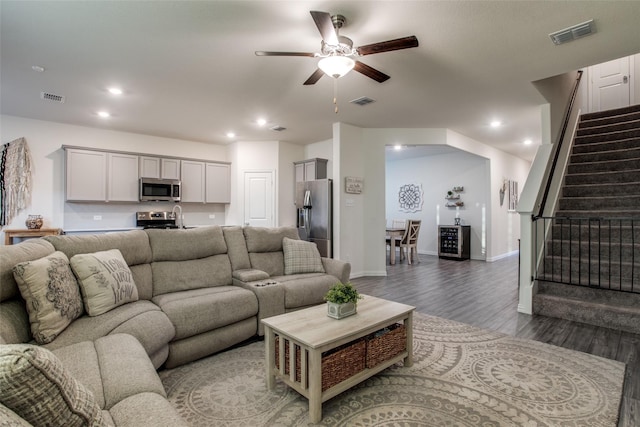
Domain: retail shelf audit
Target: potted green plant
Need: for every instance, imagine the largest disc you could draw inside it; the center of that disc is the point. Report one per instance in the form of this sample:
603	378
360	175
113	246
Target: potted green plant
342	300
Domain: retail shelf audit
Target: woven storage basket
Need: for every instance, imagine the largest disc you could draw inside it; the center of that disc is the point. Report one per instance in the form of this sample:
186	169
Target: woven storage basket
385	344
337	364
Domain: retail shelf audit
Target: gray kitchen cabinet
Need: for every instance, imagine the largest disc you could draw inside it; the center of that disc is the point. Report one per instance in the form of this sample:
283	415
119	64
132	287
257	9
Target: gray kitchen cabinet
193	182
98	176
159	167
217	183
122	173
311	169
204	182
86	175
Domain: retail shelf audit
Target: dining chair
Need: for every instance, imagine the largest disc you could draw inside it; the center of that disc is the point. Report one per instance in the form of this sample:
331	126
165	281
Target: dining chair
409	243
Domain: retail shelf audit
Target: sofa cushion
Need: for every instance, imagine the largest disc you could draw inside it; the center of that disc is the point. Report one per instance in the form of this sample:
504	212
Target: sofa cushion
183	245
14	322
105	280
35	385
200	310
268	239
8	418
29	250
305	289
250	275
270	262
51	293
176	276
146	410
236	247
301	257
142	319
133	244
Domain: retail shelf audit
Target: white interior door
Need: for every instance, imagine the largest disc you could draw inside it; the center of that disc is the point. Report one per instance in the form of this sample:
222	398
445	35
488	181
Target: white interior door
259	199
611	85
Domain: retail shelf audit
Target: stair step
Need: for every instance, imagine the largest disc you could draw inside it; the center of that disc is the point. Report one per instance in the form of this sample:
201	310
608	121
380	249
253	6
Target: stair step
598	156
617	112
611	316
616	202
623	144
602	177
599	213
604	296
604	166
607	120
611	136
609	127
602	251
616	231
624	275
620	189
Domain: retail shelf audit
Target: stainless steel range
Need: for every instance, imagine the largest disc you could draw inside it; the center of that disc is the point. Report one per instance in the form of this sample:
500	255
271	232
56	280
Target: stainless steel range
159	219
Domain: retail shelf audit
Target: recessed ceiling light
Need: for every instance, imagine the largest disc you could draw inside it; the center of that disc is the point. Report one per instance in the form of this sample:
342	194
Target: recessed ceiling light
37	68
496	124
231	135
397	147
261	121
104	114
115	91
527	142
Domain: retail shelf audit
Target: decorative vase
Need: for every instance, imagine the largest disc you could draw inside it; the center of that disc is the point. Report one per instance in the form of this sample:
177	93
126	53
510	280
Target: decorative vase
338	311
34	222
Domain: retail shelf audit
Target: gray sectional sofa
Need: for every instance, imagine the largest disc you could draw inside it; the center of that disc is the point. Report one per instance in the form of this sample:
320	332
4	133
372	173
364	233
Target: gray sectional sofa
197	292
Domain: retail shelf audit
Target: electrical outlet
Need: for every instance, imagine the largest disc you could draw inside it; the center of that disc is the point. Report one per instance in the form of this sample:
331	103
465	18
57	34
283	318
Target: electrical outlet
97	217
212	216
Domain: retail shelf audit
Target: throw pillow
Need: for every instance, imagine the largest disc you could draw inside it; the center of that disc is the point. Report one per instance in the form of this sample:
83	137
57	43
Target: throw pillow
301	256
51	292
35	385
105	280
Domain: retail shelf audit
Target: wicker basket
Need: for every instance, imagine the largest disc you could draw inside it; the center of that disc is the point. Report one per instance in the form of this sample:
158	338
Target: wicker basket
338	364
385	344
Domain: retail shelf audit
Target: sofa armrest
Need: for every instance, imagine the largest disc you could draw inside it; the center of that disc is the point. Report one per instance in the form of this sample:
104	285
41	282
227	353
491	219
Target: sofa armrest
250	275
337	268
270	296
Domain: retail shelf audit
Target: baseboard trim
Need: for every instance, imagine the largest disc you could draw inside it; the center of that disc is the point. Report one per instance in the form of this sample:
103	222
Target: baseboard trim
501	256
375	273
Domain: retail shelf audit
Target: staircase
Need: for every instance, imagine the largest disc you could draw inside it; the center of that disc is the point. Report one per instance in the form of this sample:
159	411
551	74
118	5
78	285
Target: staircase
590	271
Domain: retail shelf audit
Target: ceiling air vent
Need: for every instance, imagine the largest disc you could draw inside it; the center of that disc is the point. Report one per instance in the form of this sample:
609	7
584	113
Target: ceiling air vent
363	100
573	33
278	128
52	97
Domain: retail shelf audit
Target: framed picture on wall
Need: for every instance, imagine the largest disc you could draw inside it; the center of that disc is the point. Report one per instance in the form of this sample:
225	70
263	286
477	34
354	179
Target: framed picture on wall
353	185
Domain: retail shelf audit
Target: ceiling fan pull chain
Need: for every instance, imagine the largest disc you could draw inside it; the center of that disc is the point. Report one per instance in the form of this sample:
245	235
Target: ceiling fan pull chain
335	94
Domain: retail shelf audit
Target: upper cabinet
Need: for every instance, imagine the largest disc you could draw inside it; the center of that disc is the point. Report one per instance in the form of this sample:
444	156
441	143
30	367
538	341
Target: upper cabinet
158	167
101	176
309	170
204	182
97	176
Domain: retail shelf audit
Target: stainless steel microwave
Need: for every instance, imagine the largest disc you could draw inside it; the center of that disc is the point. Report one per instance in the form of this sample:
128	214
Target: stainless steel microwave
159	190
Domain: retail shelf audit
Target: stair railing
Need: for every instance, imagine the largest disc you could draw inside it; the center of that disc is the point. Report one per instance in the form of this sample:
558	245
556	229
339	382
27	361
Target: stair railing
558	146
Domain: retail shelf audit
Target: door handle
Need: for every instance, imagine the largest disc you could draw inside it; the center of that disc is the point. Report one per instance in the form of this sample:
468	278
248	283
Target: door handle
625	79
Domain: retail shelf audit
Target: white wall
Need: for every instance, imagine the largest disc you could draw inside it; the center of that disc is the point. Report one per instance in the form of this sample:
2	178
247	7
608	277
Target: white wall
437	174
45	140
321	150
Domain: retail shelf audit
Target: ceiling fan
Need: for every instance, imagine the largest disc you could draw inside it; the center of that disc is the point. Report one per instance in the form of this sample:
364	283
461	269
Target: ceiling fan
337	52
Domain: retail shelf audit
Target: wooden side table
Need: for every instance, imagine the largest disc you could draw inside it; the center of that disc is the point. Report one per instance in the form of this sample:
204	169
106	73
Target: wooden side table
9	235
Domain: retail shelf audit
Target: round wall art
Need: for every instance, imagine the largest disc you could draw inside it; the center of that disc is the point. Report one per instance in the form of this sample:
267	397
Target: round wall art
411	197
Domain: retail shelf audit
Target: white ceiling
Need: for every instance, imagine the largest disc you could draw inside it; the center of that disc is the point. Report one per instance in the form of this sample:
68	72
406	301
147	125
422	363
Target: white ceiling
189	71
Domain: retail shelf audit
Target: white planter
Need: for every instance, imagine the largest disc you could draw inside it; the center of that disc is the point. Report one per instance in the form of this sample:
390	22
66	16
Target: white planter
338	311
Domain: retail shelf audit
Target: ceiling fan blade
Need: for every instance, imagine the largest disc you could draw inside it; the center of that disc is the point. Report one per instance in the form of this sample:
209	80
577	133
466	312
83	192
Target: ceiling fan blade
370	72
325	26
397	44
262	53
314	77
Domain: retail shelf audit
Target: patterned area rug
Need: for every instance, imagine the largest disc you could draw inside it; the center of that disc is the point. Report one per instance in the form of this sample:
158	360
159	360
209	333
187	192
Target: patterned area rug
462	376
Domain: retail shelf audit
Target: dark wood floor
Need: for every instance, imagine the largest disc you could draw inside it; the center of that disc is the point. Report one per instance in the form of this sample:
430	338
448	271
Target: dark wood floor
485	294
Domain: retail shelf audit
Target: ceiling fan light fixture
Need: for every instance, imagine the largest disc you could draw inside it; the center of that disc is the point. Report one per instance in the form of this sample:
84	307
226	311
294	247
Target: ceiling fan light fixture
336	66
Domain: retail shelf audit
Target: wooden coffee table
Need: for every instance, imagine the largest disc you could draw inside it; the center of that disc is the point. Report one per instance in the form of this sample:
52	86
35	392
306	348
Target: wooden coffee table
314	333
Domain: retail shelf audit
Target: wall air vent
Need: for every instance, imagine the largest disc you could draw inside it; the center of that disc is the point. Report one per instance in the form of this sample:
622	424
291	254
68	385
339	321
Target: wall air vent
52	97
362	101
278	128
573	33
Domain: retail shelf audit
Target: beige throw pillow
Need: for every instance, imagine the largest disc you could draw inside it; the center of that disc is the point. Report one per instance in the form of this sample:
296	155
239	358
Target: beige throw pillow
51	292
105	280
301	256
35	385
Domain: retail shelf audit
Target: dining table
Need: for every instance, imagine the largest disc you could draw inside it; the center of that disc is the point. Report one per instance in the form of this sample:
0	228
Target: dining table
392	233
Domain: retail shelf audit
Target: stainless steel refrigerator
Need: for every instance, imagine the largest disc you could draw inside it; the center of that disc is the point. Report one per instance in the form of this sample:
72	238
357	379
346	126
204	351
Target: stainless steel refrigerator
314	203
